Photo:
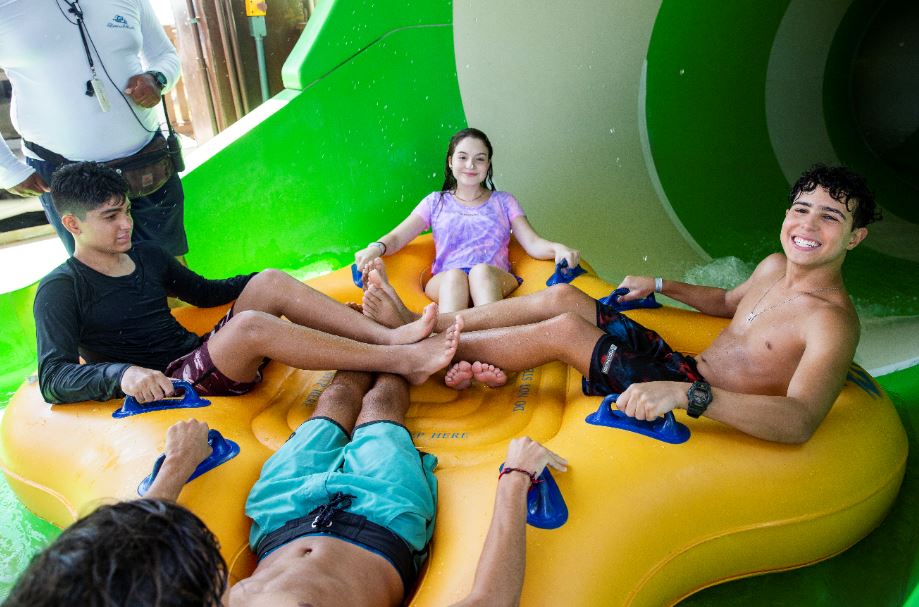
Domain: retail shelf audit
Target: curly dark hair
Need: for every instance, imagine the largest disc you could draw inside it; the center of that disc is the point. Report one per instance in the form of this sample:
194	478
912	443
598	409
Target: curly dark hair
80	187
843	185
141	553
449	179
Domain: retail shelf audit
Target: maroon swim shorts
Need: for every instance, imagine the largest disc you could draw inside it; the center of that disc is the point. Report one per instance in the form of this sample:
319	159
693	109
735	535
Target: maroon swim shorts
198	369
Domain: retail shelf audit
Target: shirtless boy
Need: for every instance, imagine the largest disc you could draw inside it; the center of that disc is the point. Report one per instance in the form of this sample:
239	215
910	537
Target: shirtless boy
341	513
107	304
774	372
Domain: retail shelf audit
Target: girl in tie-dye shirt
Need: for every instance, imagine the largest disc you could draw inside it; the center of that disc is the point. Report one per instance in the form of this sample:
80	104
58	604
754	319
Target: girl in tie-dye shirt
472	225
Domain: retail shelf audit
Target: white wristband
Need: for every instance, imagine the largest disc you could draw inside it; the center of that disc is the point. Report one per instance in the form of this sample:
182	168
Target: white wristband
658	285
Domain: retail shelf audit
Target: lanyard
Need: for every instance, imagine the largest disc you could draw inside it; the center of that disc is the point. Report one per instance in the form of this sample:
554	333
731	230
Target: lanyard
94	86
77	12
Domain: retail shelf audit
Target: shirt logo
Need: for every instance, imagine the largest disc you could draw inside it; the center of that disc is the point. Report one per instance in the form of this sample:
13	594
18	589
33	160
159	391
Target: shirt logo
119	22
609	358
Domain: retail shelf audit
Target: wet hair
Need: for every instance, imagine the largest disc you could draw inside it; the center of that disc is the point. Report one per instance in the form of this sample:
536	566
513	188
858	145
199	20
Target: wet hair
844	186
449	179
142	553
80	187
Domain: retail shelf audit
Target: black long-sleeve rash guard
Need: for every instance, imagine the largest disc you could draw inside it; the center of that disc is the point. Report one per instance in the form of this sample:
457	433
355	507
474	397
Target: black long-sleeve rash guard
116	322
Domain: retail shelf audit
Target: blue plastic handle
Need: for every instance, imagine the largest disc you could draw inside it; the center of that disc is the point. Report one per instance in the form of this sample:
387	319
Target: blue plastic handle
222	450
357	276
546	508
563	274
621	306
665	429
189	400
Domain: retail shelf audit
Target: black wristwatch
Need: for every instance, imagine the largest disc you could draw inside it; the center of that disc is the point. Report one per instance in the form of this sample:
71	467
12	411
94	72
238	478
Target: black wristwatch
159	77
700	396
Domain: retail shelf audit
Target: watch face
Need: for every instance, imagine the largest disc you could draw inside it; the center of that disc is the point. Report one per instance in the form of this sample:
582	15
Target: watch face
699	393
160	78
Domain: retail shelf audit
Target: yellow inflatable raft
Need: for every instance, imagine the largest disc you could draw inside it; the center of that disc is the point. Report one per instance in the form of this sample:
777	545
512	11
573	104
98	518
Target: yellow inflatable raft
649	522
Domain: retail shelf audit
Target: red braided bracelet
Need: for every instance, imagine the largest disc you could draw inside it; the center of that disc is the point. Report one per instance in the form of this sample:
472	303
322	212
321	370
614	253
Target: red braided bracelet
533	479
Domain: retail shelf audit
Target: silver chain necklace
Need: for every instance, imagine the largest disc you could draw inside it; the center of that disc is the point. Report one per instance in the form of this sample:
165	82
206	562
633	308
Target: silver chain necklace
752	315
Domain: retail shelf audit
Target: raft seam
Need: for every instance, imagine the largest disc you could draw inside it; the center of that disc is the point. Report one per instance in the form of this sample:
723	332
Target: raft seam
58	496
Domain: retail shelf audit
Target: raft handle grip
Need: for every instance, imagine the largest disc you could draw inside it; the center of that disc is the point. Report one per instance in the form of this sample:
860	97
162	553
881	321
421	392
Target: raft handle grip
546	508
222	450
665	429
563	274
621	306
189	400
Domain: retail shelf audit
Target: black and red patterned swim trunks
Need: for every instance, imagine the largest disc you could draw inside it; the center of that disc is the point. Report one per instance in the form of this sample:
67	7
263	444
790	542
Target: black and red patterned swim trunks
198	369
630	353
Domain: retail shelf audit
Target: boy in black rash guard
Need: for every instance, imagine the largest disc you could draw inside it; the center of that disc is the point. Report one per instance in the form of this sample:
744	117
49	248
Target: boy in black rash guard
108	304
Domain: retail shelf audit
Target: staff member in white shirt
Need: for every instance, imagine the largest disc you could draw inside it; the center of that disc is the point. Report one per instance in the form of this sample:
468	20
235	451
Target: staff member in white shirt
86	82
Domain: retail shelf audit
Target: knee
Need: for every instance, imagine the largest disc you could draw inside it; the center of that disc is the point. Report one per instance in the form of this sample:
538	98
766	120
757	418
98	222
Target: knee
250	326
270	280
455	277
481	271
564	297
389	391
340	394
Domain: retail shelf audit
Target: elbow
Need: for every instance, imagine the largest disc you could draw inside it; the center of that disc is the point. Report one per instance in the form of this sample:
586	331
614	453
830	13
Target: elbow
799	432
48	394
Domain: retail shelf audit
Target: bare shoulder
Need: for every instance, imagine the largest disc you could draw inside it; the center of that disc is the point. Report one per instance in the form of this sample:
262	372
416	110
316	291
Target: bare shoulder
771	265
832	318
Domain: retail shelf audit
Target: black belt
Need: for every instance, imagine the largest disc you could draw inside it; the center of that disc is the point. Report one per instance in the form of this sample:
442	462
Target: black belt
45	153
49	156
331	519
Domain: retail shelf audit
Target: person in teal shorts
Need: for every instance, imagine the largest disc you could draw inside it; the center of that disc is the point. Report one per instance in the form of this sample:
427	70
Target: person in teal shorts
341	515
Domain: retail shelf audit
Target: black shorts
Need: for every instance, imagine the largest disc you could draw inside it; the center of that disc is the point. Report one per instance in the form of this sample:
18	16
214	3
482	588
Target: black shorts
630	353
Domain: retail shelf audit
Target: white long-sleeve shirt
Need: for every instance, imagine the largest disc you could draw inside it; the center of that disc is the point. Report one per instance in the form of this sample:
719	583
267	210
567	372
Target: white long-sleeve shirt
42	54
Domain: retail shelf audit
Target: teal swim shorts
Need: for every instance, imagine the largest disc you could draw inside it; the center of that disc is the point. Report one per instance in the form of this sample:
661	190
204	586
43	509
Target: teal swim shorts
393	484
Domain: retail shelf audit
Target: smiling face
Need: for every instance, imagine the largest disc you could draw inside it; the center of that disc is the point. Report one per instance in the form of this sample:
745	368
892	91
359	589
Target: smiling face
469	162
106	229
818	230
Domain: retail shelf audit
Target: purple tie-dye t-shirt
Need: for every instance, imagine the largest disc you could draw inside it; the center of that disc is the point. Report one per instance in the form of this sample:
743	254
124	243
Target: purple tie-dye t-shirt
466	236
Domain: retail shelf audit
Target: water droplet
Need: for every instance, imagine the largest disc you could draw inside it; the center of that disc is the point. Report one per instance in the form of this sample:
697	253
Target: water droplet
682	71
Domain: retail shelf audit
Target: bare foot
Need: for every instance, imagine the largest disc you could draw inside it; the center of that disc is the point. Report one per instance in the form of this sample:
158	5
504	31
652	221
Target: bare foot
459	377
434	353
380	307
376	275
490	375
417	330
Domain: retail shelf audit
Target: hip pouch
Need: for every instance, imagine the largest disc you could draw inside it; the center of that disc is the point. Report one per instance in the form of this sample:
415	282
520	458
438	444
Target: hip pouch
147	170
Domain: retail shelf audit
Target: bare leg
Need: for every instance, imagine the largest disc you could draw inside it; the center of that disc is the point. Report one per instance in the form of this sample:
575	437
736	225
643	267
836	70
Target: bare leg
387	400
341	400
488	284
526	309
450	290
239	347
280	294
459	377
568	338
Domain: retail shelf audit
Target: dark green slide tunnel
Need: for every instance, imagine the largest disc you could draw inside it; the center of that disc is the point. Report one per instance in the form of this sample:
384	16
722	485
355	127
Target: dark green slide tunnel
658	137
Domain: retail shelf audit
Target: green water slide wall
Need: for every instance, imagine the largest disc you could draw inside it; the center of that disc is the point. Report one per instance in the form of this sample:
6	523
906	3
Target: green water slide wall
343	154
17	338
